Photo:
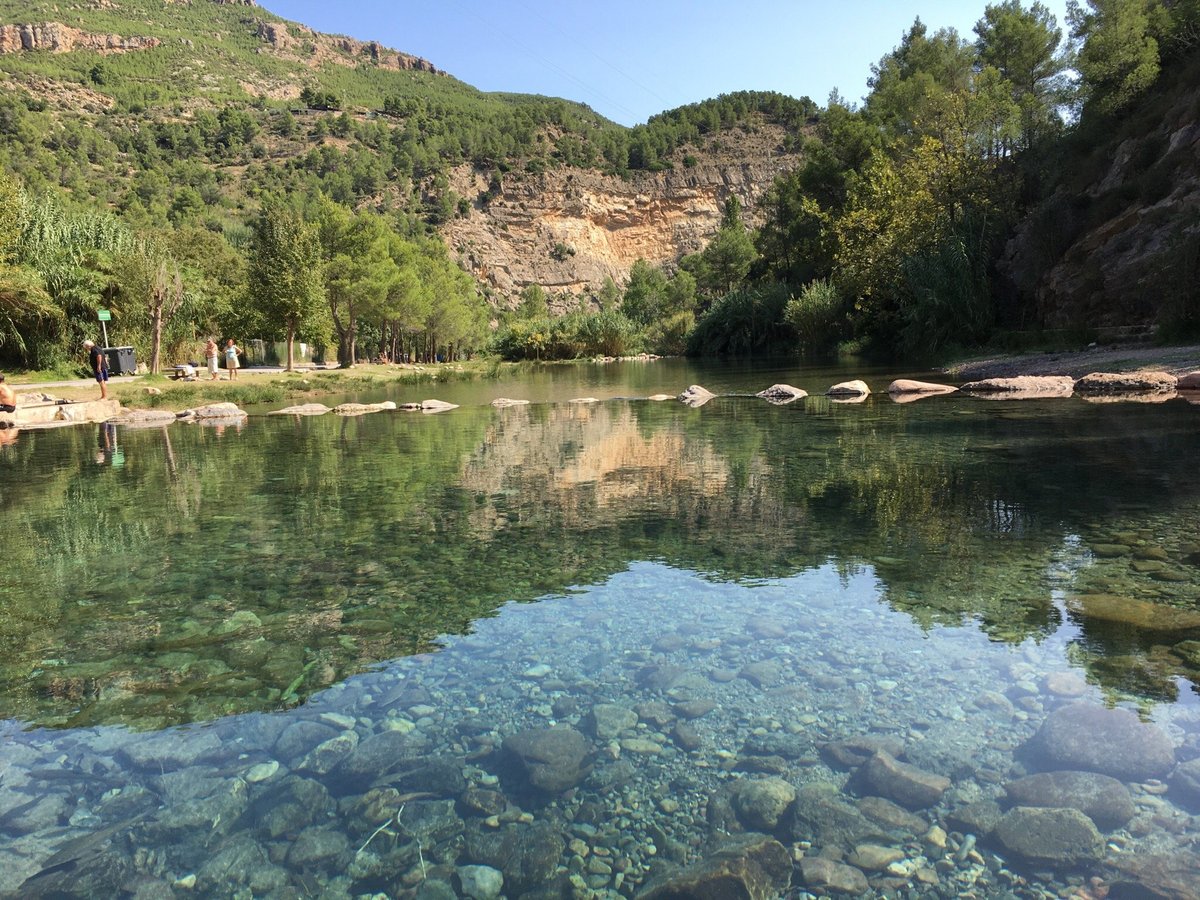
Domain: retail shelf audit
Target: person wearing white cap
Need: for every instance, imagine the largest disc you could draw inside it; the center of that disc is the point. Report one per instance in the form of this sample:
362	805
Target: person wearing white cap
99	366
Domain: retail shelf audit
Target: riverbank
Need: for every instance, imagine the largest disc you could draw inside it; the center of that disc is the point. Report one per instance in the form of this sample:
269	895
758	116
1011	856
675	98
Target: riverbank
1128	358
255	386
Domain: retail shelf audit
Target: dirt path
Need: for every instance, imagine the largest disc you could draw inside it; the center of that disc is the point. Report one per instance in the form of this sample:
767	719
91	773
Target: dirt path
1176	360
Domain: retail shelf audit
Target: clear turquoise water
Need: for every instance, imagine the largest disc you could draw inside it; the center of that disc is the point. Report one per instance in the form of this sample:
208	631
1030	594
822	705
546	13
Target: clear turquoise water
203	601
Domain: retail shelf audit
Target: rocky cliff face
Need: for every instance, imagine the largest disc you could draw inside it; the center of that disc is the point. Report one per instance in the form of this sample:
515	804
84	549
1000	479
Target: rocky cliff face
568	229
313	48
54	37
1121	253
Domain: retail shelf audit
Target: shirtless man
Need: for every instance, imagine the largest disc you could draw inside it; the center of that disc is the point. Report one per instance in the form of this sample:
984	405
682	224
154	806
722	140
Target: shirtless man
8	402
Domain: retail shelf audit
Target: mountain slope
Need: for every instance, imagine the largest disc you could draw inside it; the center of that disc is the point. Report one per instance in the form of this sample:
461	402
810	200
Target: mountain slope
190	111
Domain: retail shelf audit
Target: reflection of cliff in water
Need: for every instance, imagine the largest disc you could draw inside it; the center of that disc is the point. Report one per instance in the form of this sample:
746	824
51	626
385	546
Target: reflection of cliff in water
215	574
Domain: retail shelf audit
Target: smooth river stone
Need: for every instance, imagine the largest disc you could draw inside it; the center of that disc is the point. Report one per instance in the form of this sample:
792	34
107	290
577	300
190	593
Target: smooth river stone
782	393
1126	383
696	396
904	386
854	388
906	784
1142	614
1109	741
761	803
748	867
1049	835
1101	798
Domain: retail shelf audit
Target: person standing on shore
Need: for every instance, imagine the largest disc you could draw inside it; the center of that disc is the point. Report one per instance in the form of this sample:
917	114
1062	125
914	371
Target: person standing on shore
231	358
210	357
99	366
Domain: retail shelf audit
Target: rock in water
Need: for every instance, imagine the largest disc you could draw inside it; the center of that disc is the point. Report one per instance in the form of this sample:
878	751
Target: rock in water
608	720
761	803
1049	835
480	882
1023	387
908	386
856	388
1126	383
752	866
823	816
304	409
782	393
832	877
696	396
1101	798
907	785
552	759
1109	741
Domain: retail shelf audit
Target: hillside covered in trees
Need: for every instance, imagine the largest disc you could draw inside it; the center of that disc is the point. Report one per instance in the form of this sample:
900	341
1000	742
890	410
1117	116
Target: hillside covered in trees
209	168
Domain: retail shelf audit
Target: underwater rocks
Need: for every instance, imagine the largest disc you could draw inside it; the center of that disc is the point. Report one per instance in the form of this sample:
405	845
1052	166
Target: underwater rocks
752	866
1101	798
1049	835
904	783
550	759
1109	741
829	876
760	804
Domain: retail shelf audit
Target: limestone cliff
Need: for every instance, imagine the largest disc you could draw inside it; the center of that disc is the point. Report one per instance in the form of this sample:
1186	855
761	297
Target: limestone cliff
54	37
568	229
302	44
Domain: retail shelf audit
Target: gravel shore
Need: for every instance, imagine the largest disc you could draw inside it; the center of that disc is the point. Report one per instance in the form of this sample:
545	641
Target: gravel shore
1176	360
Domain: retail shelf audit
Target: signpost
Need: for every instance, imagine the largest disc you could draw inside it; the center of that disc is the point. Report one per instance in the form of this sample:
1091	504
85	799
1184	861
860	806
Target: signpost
104	315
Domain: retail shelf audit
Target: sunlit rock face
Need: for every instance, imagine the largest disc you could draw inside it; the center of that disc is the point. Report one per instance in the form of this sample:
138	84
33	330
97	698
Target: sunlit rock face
568	229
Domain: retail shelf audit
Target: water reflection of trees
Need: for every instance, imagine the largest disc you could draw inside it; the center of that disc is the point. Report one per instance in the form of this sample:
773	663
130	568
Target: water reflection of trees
243	570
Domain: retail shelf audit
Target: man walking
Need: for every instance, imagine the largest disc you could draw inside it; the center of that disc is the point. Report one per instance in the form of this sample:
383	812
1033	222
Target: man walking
99	365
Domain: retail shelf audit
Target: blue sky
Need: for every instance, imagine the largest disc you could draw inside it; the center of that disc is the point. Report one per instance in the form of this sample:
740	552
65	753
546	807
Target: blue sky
628	59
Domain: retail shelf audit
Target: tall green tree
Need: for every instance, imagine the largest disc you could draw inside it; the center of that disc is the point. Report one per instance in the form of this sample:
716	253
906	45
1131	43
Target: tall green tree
285	278
1025	47
1119	57
359	271
645	294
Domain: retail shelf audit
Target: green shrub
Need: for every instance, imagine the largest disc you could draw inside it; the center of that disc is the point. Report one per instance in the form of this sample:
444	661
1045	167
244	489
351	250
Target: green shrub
817	316
745	321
